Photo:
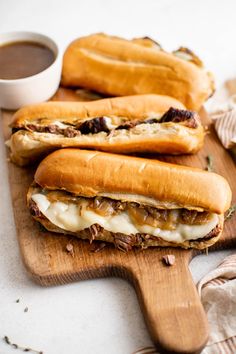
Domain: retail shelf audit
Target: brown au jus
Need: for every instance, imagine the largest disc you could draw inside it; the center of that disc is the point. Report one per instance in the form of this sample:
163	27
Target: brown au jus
23	59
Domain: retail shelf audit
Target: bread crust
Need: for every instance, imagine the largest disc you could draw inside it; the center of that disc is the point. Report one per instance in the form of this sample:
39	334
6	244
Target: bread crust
119	67
141	180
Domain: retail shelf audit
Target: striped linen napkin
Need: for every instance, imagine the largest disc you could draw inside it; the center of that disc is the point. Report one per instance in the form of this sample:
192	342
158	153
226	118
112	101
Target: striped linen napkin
225	124
218	295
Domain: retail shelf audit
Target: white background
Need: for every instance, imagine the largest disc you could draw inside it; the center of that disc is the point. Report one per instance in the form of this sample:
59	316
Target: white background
99	316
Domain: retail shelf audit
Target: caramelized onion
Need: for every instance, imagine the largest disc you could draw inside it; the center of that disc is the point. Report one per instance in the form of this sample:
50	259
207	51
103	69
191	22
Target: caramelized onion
139	215
193	217
159	218
102	206
55	196
163	219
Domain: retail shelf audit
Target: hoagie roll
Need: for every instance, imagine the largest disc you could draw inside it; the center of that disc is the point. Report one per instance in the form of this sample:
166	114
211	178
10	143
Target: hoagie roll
118	67
128	201
133	124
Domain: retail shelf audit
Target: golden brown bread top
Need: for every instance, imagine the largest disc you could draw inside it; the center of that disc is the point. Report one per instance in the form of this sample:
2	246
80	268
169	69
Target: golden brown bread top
119	67
91	173
139	106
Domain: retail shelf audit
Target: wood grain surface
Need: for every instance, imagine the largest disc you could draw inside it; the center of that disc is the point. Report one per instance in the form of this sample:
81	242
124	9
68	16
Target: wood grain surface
167	295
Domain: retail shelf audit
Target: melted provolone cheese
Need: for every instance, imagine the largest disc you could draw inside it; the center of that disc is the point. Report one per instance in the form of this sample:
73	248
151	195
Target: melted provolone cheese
60	124
74	218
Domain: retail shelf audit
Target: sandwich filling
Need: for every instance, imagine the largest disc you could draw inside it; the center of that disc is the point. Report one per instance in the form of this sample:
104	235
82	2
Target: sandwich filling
106	124
74	214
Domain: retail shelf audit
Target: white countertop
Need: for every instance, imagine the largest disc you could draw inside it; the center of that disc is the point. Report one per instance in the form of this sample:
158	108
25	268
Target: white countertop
99	316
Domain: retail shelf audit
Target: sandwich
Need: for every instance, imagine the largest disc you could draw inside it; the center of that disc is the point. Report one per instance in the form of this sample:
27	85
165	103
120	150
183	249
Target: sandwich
134	124
128	201
118	67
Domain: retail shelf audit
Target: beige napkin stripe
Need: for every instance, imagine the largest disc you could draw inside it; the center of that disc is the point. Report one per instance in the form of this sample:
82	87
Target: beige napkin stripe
226	347
225	126
230	261
216	282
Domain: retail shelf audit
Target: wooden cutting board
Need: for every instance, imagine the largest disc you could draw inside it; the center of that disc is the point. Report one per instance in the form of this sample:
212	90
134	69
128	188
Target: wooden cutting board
167	295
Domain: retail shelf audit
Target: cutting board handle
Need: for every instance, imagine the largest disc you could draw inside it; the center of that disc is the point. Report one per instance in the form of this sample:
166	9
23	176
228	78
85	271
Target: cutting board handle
171	306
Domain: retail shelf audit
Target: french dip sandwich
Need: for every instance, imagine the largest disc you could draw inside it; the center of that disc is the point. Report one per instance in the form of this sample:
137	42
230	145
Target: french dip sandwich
134	124
128	201
118	67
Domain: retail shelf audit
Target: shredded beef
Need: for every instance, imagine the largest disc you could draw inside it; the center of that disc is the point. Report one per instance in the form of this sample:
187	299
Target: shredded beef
128	125
180	115
34	210
124	242
52	128
98	124
71	132
172	115
133	123
94	231
151	121
176	115
213	232
93	126
34	128
14	130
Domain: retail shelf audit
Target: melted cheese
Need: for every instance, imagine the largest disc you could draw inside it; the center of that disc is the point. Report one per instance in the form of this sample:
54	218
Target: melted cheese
61	124
183	55
75	217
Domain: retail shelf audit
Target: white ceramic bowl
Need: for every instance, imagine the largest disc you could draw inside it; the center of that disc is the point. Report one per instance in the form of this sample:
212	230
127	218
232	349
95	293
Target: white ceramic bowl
33	89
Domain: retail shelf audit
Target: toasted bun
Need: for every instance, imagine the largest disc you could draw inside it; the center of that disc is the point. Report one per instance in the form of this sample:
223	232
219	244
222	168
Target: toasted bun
142	106
119	67
160	184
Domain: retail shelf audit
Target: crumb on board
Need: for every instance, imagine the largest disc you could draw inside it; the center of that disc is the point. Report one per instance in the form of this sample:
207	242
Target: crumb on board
169	259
